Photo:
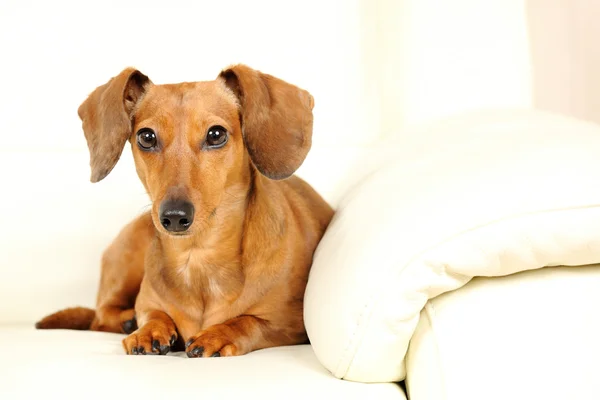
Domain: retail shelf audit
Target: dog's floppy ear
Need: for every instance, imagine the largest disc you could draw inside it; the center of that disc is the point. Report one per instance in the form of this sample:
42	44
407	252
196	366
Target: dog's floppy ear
276	121
106	119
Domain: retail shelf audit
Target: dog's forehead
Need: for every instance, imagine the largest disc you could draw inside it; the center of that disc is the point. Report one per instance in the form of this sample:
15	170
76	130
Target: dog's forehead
210	96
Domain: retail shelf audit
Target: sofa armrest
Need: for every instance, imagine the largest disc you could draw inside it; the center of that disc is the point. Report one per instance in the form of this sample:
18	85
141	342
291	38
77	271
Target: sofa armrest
531	335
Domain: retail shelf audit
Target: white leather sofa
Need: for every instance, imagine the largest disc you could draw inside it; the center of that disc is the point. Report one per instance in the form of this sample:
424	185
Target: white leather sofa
462	261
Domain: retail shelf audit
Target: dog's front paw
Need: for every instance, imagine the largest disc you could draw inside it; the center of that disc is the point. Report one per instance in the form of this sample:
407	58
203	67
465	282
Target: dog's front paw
152	338
213	342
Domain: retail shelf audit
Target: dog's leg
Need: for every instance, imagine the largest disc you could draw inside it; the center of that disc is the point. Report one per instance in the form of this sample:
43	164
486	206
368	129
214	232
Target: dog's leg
156	336
121	276
239	336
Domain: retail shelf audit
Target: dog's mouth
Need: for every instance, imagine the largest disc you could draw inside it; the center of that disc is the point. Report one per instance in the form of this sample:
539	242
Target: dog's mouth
177	234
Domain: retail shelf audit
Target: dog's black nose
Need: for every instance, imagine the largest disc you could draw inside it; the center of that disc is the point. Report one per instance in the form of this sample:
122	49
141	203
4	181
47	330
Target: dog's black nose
176	215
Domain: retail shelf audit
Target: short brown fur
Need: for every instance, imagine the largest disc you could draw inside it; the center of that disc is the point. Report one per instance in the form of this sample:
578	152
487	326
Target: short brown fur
234	282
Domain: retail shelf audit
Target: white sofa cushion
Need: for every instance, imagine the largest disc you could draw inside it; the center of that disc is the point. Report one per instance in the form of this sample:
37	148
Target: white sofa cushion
92	365
531	335
481	195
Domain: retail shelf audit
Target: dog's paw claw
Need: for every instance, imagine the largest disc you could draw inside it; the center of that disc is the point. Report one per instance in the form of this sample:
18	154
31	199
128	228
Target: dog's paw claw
196	352
164	349
161	349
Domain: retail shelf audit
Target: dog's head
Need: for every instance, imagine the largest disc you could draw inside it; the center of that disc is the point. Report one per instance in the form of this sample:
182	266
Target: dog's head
196	144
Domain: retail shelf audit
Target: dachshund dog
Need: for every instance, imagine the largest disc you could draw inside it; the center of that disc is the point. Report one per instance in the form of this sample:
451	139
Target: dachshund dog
219	265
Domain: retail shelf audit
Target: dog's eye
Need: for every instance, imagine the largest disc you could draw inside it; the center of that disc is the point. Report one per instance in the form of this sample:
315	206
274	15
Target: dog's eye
216	136
146	139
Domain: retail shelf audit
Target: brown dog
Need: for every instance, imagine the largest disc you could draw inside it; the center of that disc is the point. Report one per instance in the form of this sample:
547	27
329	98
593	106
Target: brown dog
222	259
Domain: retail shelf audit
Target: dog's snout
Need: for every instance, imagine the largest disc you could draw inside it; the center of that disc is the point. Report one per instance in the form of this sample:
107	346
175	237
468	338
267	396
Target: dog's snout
176	215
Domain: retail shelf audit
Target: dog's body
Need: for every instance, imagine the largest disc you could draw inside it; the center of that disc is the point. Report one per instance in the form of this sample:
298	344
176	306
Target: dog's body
222	259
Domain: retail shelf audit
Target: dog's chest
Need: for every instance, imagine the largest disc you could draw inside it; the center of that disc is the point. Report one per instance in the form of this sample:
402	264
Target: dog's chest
199	280
207	284
185	275
208	276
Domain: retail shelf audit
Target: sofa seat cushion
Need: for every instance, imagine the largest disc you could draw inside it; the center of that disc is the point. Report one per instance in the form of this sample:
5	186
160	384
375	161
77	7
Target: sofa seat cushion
531	335
90	365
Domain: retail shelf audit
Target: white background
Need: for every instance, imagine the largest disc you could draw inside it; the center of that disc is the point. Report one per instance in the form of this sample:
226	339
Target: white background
54	53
